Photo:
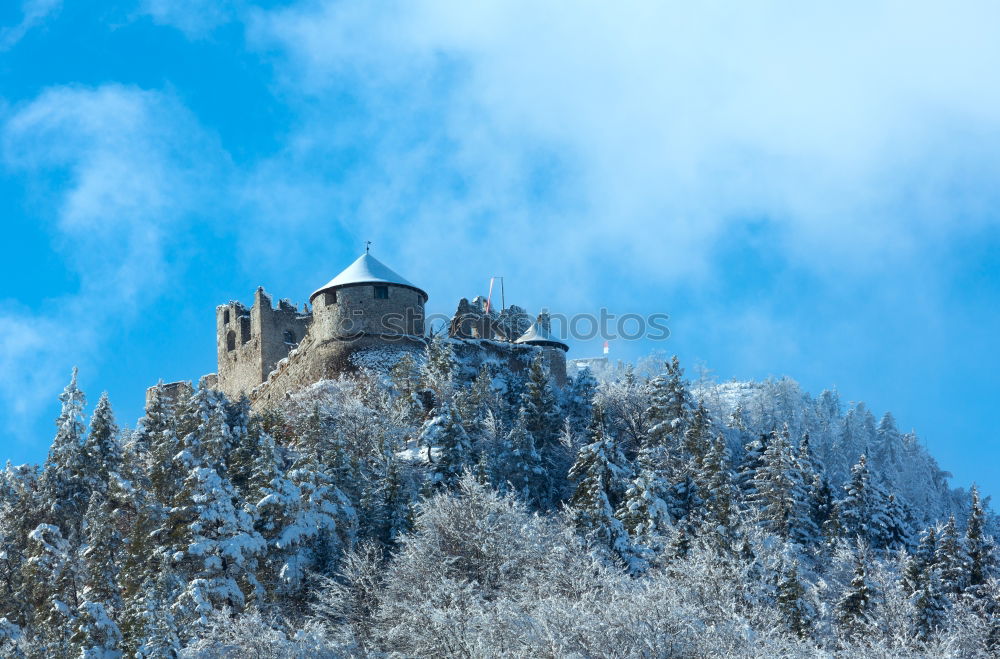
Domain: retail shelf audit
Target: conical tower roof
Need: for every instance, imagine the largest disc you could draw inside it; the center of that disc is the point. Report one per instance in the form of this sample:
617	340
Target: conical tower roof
366	270
540	334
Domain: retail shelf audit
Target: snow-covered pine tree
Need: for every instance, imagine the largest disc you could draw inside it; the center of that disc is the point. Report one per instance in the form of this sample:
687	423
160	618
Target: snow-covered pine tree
540	407
923	560
54	583
208	538
405	379
101	451
753	460
591	507
930	605
643	511
791	601
716	482
813	508
449	450
475	402
698	436
20	513
778	493
950	558
864	512
95	634
522	463
64	480
578	399
670	409
102	551
980	547
854	609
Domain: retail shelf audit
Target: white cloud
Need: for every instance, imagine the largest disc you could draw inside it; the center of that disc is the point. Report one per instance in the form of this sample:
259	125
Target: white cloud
33	13
195	18
121	170
644	132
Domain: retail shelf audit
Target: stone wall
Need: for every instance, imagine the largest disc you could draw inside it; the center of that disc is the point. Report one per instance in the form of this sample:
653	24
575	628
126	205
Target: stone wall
316	360
250	342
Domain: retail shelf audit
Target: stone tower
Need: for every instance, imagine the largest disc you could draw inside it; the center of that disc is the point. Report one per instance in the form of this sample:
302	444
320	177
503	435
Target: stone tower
553	350
367	300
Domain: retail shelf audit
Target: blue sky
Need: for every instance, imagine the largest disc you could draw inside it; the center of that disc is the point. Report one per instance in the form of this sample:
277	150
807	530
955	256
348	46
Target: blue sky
807	191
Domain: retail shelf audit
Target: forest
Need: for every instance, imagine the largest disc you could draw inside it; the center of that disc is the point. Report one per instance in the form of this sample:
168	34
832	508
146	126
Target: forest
437	510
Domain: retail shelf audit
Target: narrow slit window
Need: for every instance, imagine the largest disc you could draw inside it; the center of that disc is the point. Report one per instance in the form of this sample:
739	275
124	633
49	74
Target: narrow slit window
225	317
231	340
381	292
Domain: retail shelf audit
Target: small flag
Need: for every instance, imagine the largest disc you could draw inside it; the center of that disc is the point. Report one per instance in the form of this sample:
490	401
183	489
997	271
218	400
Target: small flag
605	347
489	296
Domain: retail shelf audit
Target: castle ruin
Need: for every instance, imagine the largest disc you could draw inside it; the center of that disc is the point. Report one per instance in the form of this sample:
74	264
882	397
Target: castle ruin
365	317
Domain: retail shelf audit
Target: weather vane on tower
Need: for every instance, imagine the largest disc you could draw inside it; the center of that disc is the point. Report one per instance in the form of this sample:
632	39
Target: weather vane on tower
368	246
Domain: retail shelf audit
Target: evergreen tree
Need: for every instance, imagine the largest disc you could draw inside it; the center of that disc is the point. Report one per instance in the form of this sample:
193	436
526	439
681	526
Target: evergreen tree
101	452
54	580
405	377
863	512
102	552
578	400
920	564
950	559
753	461
524	468
930	605
698	436
643	512
64	479
792	604
854	609
449	449
591	505
670	410
540	409
95	634
779	494
716	481
980	547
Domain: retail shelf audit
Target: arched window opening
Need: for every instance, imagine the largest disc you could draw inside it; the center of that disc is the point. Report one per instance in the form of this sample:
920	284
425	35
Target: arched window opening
230	340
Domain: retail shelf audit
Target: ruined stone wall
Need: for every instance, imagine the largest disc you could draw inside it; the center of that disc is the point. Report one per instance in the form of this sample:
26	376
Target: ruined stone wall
239	361
353	310
252	341
171	392
280	330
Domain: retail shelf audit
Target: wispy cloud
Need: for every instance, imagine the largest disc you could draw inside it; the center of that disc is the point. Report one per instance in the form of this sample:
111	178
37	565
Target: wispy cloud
123	169
196	18
33	13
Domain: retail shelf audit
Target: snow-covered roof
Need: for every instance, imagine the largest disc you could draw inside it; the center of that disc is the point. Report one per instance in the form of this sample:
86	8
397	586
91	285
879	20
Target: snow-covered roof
539	334
366	270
